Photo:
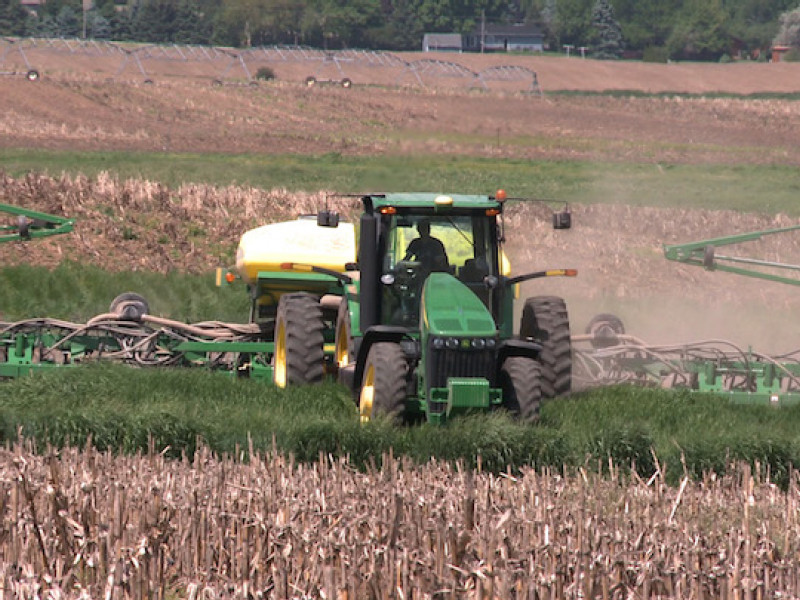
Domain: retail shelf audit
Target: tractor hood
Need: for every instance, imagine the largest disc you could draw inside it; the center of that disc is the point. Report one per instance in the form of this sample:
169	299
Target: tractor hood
450	308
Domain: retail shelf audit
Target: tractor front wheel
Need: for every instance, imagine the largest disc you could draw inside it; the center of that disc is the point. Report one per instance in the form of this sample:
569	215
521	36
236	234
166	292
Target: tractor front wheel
521	382
545	320
299	353
383	388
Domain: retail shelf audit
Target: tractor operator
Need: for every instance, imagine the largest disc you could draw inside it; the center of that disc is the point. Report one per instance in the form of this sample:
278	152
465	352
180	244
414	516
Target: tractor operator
427	250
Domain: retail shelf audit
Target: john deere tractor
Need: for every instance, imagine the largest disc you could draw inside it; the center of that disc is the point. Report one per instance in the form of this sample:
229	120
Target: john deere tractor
419	335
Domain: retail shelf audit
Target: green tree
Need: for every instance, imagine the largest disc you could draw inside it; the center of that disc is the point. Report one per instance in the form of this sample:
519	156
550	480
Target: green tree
574	21
607	42
700	32
646	23
69	22
13	18
339	23
789	30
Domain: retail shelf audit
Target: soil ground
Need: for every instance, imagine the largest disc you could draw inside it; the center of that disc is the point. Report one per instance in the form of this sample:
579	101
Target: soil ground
82	103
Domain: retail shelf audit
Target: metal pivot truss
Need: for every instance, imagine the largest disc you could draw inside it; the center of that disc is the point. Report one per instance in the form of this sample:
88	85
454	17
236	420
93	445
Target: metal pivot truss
425	71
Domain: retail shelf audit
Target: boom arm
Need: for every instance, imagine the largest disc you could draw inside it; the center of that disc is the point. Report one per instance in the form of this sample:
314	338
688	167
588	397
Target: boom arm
32	224
703	254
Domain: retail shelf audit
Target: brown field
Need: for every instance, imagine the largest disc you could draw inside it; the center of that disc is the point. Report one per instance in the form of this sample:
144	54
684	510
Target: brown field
89	525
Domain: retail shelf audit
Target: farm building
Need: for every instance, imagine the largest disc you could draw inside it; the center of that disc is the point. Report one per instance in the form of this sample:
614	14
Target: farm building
442	42
491	37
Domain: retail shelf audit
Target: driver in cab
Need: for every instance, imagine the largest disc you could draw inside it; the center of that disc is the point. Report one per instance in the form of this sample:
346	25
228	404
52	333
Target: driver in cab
427	250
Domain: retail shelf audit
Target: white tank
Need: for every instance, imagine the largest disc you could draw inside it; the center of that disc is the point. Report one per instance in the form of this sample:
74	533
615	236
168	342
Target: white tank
301	241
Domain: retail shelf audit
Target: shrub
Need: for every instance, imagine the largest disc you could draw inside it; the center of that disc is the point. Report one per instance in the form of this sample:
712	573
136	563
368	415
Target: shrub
655	54
792	55
265	73
725	58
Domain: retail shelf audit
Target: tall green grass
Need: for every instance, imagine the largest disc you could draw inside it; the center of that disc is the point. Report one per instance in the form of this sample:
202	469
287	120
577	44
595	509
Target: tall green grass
74	291
122	409
746	187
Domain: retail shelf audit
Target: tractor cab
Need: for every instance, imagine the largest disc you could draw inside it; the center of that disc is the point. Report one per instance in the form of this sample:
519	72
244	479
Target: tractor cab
461	243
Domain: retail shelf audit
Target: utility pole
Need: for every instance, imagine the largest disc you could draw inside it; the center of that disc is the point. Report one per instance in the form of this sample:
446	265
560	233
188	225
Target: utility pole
483	29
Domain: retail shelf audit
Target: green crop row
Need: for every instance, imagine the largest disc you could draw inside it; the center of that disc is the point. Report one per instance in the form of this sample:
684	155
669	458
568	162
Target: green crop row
77	292
122	409
746	187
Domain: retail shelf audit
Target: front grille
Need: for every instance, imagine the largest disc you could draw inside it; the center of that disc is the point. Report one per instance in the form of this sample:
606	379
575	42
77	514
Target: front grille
442	364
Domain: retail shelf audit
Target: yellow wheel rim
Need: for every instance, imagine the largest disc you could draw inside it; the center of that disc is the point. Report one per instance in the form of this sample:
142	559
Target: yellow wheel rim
342	353
280	356
367	395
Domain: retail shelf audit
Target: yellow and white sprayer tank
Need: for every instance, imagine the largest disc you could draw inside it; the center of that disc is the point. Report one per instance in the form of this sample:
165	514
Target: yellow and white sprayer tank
301	241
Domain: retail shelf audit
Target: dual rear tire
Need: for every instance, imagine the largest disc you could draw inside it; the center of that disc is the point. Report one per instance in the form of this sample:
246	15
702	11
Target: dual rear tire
299	353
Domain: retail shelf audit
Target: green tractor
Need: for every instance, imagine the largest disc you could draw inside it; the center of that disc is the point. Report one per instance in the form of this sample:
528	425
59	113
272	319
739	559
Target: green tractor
424	323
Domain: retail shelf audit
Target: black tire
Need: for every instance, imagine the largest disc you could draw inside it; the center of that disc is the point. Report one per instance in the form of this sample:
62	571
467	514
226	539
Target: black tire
346	83
310	81
130	305
299	354
32	75
605	329
545	320
521	382
383	387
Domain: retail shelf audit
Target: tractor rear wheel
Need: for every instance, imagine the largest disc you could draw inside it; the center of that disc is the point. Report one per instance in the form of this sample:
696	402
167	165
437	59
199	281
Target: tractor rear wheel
545	320
299	353
521	382
383	388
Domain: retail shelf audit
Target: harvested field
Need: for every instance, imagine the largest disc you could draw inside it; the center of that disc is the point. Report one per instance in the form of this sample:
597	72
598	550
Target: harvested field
86	524
77	106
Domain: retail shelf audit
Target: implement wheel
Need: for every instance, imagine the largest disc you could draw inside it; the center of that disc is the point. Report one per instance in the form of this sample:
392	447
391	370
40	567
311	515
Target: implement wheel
299	353
130	305
383	388
545	320
521	382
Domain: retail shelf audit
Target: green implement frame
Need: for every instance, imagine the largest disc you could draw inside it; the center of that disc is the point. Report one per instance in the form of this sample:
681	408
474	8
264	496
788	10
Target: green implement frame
712	366
704	254
32	224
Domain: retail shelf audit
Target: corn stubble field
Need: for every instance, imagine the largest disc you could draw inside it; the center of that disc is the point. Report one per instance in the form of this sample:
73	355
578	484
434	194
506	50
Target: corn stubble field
80	523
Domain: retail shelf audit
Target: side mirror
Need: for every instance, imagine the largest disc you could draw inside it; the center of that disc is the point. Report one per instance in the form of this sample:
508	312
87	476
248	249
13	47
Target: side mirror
327	218
562	220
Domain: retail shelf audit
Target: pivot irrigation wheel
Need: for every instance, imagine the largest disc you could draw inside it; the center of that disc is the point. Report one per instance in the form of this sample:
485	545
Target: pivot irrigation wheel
346	83
32	75
311	81
299	354
545	320
383	388
130	305
521	382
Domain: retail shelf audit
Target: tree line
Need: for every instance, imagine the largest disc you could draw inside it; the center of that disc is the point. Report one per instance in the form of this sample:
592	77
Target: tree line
677	29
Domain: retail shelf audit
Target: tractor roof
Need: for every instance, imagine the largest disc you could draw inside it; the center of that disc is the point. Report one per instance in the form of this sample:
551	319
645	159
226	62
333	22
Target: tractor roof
432	200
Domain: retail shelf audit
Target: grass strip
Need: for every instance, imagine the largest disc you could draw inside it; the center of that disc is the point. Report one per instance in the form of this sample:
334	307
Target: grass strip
126	410
750	188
